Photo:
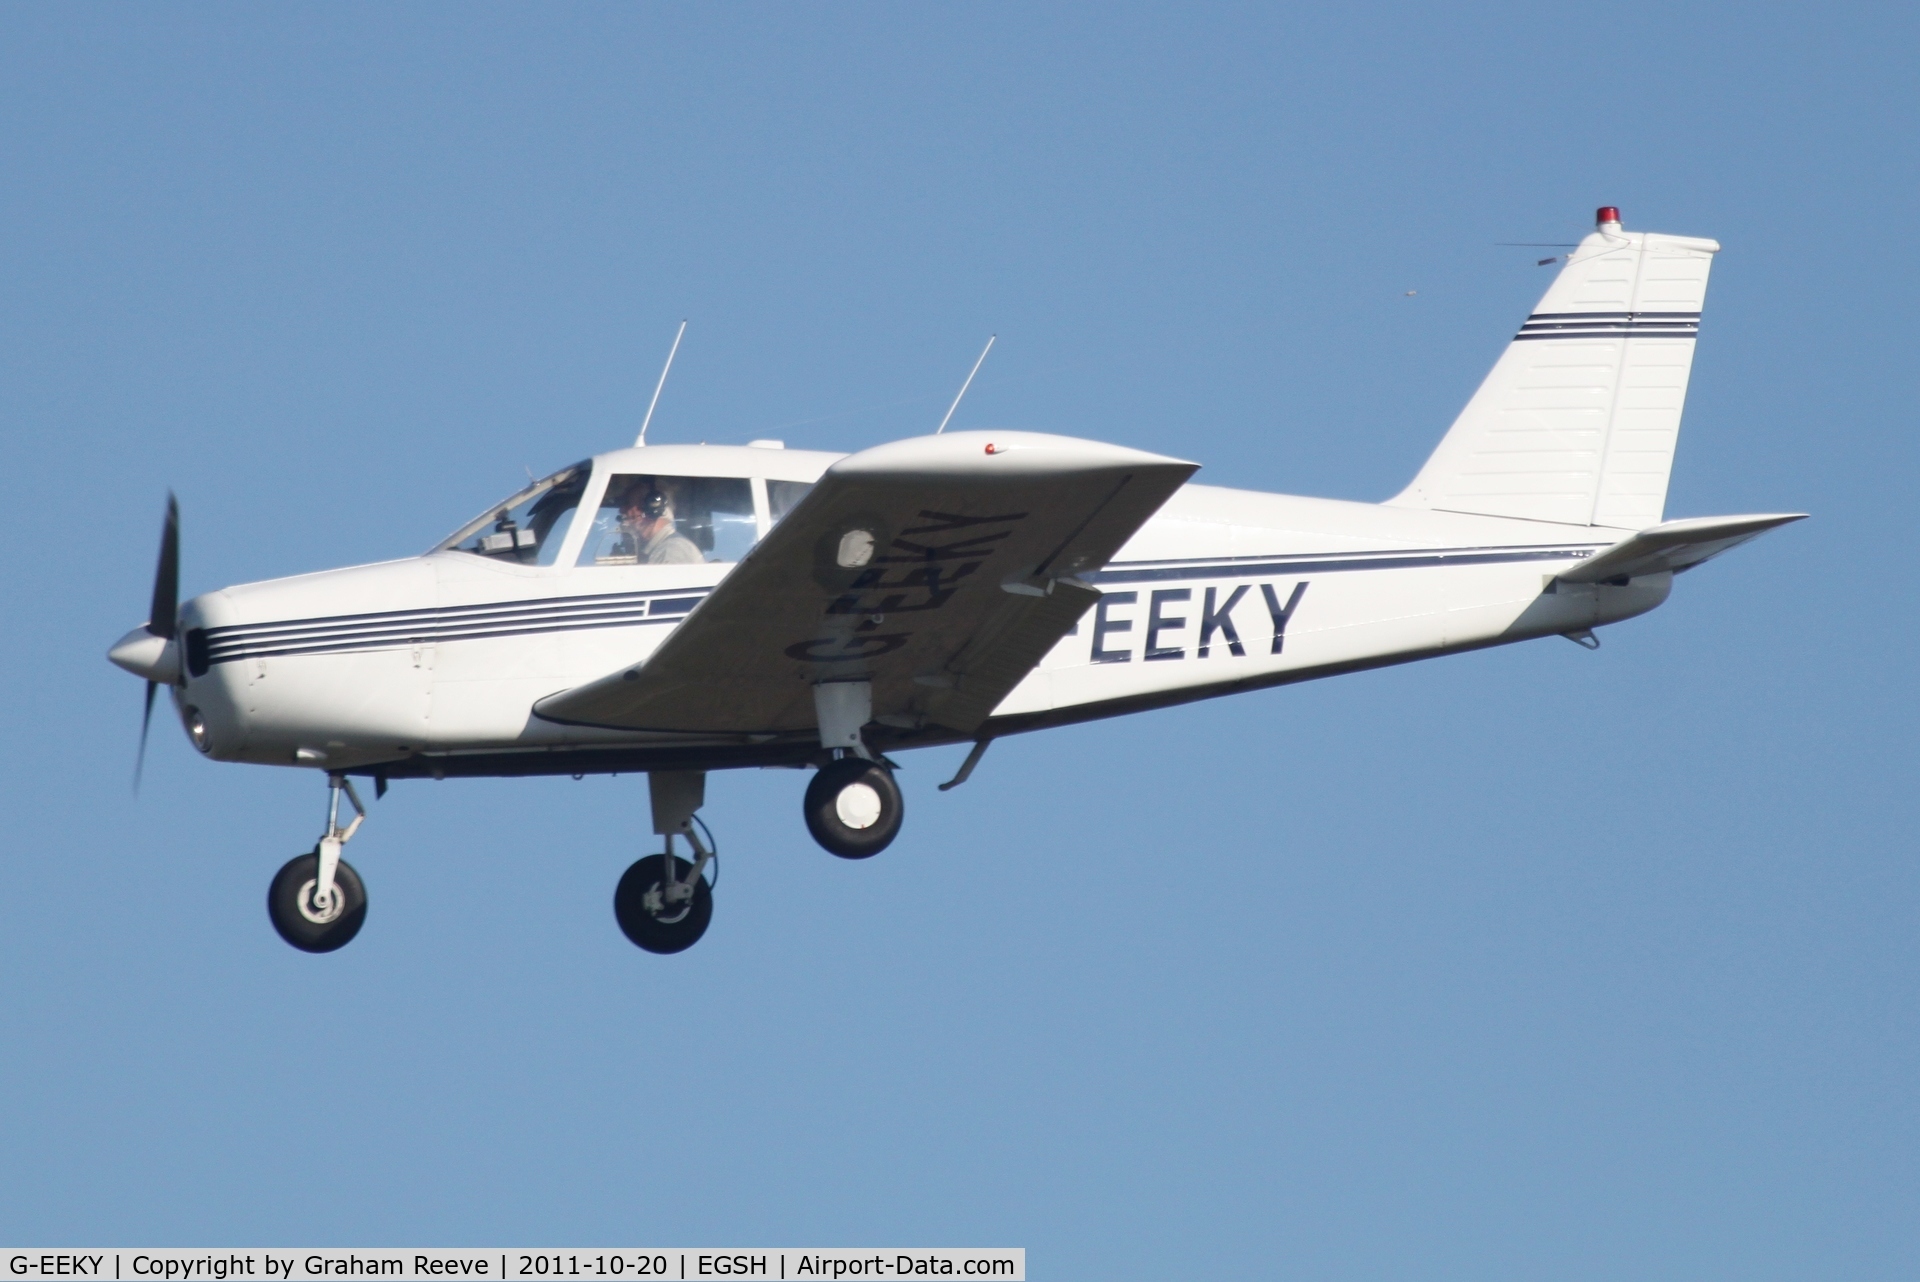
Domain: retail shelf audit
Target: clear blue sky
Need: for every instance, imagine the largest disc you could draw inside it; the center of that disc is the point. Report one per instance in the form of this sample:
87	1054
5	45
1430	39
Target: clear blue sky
1531	963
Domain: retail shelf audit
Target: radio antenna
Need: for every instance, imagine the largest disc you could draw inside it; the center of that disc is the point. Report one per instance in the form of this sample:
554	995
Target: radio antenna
964	386
642	439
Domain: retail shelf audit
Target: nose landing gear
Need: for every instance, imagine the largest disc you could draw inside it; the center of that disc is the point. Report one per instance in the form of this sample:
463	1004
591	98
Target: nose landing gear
317	901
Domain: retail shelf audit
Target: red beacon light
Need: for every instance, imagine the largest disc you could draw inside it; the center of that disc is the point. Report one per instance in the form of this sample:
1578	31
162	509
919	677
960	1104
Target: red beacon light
1607	214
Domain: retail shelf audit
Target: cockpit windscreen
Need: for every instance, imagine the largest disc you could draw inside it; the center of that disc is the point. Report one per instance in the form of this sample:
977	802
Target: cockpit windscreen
528	528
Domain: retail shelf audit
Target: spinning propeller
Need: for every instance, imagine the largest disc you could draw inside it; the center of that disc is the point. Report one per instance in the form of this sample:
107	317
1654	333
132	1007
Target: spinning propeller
152	651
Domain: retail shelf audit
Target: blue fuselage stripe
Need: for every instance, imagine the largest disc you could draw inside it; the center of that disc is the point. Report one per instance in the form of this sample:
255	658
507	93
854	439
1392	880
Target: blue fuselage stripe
399	629
1142	573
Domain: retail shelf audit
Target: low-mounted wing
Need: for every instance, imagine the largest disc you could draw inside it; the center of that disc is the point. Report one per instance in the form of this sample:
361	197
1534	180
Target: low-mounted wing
941	569
1673	546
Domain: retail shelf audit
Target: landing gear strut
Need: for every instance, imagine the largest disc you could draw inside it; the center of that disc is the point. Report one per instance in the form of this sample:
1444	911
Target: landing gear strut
317	901
663	903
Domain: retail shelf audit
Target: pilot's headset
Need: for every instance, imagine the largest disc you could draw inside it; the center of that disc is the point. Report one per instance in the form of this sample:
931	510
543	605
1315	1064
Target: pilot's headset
653	507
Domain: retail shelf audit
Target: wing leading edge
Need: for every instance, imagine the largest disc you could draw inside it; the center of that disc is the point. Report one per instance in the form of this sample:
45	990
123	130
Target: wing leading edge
940	569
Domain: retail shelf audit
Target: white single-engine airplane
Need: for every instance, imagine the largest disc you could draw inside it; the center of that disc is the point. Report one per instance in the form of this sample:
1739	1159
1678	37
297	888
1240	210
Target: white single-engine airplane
676	609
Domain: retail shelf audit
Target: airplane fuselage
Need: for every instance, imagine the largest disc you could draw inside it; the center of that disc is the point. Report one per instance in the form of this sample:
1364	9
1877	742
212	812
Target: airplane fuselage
432	665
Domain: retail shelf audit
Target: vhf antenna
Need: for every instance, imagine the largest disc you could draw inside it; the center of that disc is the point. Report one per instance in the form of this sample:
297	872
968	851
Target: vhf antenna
964	386
642	439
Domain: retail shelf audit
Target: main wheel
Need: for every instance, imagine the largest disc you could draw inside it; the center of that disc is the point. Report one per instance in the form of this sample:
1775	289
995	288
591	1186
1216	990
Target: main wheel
645	917
310	926
853	807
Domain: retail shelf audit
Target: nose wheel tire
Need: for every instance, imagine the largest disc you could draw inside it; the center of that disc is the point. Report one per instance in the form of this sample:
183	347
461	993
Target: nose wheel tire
853	807
304	921
650	916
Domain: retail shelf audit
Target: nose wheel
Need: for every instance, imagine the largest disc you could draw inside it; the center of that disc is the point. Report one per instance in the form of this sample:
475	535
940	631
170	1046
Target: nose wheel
317	901
853	807
311	920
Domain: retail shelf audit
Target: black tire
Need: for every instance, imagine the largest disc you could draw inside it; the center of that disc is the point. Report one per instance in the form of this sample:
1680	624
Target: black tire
301	926
665	932
840	821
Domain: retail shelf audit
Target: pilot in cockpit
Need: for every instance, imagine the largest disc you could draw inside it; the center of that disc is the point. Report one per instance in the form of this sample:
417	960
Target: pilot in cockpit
649	533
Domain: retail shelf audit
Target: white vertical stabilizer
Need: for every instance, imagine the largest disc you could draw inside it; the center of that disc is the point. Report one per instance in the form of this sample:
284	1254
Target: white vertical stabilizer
1578	420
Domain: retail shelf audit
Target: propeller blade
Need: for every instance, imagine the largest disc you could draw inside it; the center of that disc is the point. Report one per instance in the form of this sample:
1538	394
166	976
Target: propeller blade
162	616
166	581
146	719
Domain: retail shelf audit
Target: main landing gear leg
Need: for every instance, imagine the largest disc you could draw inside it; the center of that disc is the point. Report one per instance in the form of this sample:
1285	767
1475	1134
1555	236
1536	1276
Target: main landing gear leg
663	903
317	901
853	806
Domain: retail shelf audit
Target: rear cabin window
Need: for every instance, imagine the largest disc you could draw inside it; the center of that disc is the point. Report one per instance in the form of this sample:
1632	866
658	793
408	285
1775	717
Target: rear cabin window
671	520
528	528
783	495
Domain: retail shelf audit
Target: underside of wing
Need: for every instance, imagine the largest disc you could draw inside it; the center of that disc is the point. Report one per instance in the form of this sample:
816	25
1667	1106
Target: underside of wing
939	569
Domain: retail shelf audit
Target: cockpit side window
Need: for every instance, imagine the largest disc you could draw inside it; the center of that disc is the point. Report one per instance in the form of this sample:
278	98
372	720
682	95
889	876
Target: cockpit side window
528	528
646	519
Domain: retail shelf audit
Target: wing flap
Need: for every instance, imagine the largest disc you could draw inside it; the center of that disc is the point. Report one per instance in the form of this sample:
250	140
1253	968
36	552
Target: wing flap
999	658
1673	546
940	569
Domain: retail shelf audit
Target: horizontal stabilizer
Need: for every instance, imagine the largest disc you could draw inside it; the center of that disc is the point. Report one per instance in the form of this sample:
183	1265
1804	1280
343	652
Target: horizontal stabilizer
1673	546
